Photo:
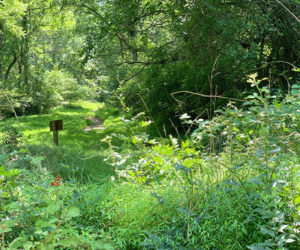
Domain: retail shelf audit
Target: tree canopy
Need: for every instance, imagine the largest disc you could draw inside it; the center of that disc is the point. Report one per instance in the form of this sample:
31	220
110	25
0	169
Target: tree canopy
146	54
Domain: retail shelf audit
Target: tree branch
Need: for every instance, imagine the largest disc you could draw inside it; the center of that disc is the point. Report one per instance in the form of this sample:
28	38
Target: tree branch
11	65
297	19
208	96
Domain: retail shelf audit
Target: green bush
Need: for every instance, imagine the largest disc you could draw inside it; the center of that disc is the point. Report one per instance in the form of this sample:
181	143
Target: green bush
68	88
38	210
234	183
9	137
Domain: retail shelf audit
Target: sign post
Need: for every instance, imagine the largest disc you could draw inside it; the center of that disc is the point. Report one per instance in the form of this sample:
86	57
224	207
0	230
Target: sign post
55	126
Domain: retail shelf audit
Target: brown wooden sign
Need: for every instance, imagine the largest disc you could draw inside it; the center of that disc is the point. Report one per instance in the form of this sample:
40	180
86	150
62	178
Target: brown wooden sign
55	126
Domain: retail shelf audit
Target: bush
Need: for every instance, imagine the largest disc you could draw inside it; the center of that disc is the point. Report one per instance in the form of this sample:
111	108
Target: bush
38	210
9	137
234	184
67	87
13	101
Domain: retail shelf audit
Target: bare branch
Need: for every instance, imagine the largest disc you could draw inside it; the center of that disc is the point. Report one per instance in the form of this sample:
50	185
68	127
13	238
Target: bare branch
202	95
297	19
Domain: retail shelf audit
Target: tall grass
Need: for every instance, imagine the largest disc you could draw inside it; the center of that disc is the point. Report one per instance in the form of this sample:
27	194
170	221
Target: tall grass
234	183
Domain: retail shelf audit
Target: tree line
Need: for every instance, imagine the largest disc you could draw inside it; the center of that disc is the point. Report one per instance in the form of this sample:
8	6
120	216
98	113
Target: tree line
145	54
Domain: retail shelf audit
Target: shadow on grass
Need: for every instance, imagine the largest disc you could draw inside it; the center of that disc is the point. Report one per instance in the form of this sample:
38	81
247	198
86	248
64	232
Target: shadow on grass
72	165
36	129
79	154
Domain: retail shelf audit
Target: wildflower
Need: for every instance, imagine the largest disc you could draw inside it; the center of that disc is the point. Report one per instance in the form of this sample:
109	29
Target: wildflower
57	181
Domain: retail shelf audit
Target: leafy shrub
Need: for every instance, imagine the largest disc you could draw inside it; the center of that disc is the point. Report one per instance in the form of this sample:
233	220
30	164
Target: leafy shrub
13	101
37	210
236	180
9	137
234	184
66	87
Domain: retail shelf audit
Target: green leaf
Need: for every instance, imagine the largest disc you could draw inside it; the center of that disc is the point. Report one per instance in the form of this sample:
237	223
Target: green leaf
14	206
28	245
264	230
40	224
73	242
184	116
296	69
289	241
276	150
52	208
297	200
71	212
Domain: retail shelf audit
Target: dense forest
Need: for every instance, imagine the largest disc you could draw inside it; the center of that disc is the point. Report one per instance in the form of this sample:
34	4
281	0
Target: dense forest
181	124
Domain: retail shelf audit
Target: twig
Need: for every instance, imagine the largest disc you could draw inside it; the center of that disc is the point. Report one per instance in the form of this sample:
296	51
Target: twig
56	228
210	79
294	66
150	115
297	19
2	239
174	127
202	95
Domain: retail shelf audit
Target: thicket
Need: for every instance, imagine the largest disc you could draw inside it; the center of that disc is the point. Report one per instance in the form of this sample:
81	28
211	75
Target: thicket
161	52
233	184
143	52
228	180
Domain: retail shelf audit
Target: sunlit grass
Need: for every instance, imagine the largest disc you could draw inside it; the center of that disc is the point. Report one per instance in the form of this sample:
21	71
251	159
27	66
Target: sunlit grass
79	153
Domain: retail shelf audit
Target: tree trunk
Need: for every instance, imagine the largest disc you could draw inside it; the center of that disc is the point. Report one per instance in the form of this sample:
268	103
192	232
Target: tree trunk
134	52
25	52
11	65
1	51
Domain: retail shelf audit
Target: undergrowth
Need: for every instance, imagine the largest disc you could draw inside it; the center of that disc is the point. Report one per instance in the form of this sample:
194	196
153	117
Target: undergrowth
232	184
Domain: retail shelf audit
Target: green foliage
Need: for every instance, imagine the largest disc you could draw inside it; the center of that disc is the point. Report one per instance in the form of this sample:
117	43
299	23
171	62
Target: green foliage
234	184
236	181
38	56
11	12
9	137
66	88
12	102
151	49
80	154
37	214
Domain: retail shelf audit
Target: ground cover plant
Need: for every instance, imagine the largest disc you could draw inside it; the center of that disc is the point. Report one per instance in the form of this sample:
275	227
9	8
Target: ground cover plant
181	124
233	184
244	196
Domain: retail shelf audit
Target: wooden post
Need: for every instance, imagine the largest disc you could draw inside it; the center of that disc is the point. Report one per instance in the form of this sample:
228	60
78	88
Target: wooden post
55	126
55	137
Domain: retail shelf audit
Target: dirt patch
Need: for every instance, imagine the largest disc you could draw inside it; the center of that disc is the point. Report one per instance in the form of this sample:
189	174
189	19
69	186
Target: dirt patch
97	125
